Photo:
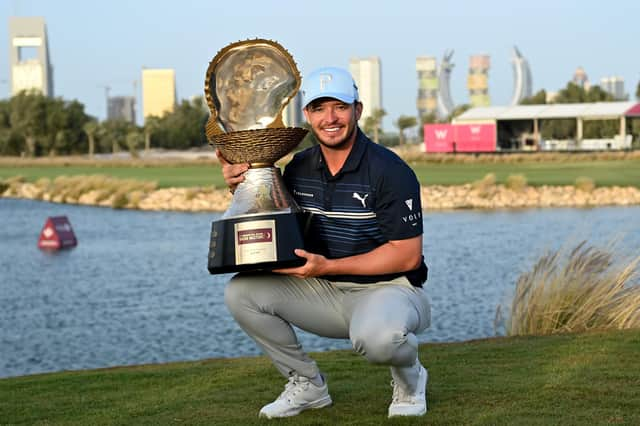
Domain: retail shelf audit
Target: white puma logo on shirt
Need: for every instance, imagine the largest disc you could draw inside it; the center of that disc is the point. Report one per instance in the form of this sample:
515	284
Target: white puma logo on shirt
360	198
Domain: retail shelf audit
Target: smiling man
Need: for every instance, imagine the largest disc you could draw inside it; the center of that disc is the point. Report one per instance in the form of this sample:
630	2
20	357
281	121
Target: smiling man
364	272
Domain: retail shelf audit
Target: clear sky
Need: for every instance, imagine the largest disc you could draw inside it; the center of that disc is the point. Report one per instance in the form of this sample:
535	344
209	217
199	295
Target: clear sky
98	43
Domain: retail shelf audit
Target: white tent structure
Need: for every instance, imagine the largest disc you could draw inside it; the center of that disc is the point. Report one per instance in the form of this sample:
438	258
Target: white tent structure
532	115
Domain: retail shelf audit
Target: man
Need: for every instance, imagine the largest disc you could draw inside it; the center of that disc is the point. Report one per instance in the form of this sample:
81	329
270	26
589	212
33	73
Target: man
364	269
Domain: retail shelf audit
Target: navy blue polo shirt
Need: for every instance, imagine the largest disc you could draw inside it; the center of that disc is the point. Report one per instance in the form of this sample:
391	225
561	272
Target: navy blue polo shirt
373	199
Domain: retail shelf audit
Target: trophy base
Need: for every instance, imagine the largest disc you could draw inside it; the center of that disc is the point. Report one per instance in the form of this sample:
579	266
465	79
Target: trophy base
257	242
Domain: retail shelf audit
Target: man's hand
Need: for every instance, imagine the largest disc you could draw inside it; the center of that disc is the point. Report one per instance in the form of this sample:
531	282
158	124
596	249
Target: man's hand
315	266
389	258
233	174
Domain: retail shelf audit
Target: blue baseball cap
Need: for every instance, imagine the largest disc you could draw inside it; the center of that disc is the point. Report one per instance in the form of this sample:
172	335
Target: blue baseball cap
329	82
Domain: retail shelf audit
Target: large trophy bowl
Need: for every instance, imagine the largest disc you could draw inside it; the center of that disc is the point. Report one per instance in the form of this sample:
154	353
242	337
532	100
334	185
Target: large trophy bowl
247	86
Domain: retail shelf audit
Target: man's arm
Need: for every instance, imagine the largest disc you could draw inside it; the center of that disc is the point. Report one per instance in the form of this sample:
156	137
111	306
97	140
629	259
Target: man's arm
391	257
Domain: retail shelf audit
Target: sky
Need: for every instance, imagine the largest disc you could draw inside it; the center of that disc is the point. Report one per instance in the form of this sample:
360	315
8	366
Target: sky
107	43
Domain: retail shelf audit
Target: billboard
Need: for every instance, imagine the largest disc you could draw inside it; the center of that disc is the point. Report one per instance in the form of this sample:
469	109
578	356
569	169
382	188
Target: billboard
460	137
439	137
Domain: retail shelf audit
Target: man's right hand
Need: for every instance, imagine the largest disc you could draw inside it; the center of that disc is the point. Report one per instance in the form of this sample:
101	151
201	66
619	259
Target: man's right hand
233	174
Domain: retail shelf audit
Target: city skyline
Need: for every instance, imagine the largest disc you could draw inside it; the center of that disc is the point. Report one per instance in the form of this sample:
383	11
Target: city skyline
96	45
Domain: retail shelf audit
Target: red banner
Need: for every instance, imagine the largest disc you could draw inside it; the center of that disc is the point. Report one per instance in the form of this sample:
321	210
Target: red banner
439	137
460	137
475	137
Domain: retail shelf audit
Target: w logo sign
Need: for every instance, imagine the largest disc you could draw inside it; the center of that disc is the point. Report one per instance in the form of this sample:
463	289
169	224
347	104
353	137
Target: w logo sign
441	134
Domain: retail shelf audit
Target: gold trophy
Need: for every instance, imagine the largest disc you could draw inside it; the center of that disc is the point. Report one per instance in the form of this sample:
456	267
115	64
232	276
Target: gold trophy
247	86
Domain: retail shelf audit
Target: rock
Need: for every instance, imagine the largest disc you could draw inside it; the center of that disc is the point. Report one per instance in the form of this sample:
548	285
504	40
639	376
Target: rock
436	197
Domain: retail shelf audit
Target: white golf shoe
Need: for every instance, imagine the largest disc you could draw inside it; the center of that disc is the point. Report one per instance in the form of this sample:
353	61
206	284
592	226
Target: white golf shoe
409	391
299	394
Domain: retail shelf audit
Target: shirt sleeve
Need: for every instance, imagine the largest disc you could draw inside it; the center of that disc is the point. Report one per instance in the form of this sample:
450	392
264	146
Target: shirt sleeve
398	204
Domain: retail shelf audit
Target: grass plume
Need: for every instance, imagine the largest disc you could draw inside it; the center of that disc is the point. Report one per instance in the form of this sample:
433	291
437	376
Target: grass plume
516	182
579	291
585	184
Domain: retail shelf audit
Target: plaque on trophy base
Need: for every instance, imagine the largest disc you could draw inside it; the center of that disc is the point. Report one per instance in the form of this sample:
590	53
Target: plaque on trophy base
263	242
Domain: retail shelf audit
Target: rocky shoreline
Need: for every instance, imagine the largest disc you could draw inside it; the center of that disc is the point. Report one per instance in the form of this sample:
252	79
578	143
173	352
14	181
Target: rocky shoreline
437	197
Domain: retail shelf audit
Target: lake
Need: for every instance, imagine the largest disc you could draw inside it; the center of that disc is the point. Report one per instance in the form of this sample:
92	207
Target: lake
136	289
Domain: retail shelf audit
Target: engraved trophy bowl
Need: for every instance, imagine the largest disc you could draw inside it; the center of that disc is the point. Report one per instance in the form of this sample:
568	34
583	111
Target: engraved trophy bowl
247	86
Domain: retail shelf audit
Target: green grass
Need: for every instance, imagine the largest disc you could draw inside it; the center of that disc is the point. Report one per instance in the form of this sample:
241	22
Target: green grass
181	176
569	379
603	173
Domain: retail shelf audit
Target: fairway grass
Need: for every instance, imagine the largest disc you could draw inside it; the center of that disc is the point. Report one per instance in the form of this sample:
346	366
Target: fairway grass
570	379
602	172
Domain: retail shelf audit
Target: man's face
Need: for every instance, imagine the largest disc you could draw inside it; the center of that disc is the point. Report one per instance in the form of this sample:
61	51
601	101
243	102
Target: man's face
332	121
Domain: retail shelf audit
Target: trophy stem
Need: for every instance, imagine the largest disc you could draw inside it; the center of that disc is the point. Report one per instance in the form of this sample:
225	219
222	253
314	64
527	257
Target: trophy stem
262	192
260	165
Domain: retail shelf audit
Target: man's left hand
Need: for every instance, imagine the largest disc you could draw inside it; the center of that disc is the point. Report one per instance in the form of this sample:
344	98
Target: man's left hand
315	266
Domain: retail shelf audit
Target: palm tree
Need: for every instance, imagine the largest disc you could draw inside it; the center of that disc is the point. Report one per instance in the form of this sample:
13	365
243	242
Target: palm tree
28	118
151	124
372	123
133	140
91	128
402	123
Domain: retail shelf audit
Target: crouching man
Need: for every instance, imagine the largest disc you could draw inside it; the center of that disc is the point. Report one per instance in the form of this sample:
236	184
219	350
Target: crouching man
364	272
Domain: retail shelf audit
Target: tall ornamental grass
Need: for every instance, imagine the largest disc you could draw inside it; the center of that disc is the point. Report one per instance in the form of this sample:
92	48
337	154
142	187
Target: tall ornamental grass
584	289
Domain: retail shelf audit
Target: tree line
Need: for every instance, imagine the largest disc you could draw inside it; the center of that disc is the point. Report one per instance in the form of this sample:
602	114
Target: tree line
32	124
566	128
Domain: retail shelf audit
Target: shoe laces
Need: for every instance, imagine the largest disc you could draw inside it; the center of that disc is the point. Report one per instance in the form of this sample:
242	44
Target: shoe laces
295	385
401	395
398	392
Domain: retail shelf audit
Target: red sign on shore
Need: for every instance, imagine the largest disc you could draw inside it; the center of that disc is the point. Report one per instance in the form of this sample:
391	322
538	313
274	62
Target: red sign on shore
57	234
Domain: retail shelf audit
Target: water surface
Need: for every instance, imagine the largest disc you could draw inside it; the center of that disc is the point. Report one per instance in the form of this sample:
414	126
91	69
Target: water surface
136	289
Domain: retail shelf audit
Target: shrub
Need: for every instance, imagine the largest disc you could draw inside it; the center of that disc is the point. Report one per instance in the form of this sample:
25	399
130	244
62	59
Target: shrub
485	185
191	193
135	197
582	290
585	184
15	179
516	182
120	200
14	182
43	182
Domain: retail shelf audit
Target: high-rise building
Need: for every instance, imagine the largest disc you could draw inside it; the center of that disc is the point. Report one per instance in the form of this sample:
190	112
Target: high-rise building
427	101
29	56
614	86
445	102
122	108
367	72
522	80
581	79
478	80
292	114
158	91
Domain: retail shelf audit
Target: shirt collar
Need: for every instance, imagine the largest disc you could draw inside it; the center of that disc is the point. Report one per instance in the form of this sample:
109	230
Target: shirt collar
353	160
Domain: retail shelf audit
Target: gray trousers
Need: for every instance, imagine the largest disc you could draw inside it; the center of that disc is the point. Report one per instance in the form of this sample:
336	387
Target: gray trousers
380	319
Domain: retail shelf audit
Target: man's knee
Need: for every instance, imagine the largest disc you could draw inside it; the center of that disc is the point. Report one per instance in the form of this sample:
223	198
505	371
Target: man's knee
385	345
237	292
